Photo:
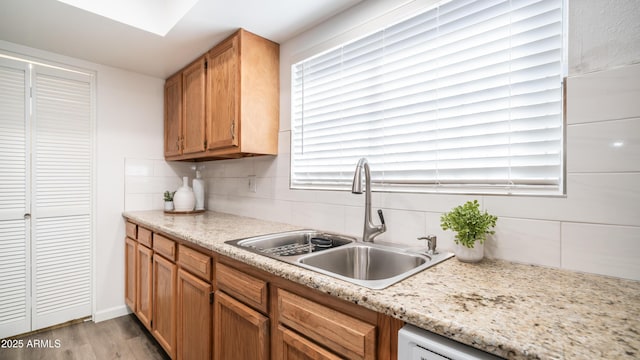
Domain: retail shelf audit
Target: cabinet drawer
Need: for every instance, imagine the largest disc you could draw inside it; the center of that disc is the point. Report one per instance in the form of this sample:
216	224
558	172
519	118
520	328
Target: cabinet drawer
195	262
132	230
144	236
164	247
243	287
343	334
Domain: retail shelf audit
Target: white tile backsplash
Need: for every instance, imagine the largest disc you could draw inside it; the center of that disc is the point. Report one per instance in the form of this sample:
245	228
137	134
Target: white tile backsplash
609	146
135	202
525	241
608	198
266	166
602	249
146	180
239	168
403	227
604	95
318	216
422	202
444	238
138	167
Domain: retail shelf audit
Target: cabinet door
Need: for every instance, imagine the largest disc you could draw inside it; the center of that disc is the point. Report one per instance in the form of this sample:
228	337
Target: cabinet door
164	303
343	334
173	115
241	333
193	104
130	273
144	284
296	347
194	317
224	92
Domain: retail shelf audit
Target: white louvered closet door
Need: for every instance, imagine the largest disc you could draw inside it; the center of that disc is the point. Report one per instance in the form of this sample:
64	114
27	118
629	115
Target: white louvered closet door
61	189
15	313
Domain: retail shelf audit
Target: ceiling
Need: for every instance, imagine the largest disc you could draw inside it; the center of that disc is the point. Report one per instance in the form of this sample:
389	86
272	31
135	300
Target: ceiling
63	29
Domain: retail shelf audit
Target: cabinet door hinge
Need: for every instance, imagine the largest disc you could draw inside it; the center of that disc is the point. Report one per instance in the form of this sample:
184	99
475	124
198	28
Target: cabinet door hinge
211	297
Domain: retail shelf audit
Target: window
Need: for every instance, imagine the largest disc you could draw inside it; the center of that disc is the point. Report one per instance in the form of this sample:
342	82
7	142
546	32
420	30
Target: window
465	97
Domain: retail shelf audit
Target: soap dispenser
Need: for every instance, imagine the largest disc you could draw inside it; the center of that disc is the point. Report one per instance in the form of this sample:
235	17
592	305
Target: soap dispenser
198	191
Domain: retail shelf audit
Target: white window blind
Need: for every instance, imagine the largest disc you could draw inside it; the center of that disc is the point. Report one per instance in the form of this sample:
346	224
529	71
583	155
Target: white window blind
467	95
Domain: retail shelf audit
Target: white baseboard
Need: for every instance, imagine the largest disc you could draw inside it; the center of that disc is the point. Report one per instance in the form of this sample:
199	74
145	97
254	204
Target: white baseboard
111	313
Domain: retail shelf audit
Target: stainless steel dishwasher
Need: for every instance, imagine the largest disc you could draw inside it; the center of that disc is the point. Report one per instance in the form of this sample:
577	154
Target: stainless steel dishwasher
419	344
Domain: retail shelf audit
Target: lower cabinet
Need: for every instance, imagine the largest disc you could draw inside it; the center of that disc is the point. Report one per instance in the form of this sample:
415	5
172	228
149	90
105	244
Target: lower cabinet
241	333
297	347
164	303
240	312
130	273
326	330
144	284
194	317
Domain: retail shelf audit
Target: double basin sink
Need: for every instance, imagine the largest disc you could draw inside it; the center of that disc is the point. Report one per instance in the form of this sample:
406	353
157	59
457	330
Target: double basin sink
371	265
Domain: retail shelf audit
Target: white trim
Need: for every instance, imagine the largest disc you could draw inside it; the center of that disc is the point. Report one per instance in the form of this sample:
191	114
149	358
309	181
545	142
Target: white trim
111	313
45	58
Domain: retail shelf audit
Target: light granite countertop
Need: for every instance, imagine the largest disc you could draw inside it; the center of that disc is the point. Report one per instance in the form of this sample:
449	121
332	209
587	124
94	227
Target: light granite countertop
512	310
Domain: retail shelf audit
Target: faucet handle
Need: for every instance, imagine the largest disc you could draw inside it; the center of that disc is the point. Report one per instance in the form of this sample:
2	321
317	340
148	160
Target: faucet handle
432	241
380	216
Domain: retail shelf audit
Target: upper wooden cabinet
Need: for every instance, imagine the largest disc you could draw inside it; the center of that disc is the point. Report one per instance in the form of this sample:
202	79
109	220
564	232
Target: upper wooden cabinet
173	116
194	83
222	131
229	106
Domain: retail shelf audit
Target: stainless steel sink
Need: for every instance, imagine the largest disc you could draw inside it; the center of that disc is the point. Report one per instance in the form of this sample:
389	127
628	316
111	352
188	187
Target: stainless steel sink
370	265
364	262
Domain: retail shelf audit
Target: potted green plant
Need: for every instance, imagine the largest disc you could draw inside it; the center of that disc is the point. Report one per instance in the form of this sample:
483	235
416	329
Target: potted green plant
168	200
471	227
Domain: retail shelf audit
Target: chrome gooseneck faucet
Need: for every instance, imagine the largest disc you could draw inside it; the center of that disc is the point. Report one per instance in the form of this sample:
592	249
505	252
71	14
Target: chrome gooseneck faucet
370	230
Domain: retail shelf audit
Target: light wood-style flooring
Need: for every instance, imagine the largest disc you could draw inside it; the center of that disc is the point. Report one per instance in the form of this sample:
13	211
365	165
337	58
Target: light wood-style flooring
120	338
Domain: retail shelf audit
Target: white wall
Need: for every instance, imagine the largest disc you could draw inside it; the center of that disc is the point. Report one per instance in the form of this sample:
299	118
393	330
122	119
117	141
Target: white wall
129	124
595	228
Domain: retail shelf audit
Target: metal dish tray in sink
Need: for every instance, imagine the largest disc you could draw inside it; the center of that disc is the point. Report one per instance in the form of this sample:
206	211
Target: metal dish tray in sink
292	243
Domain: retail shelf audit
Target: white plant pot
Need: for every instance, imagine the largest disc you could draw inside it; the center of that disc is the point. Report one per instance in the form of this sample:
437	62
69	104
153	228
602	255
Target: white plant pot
183	199
470	255
168	206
